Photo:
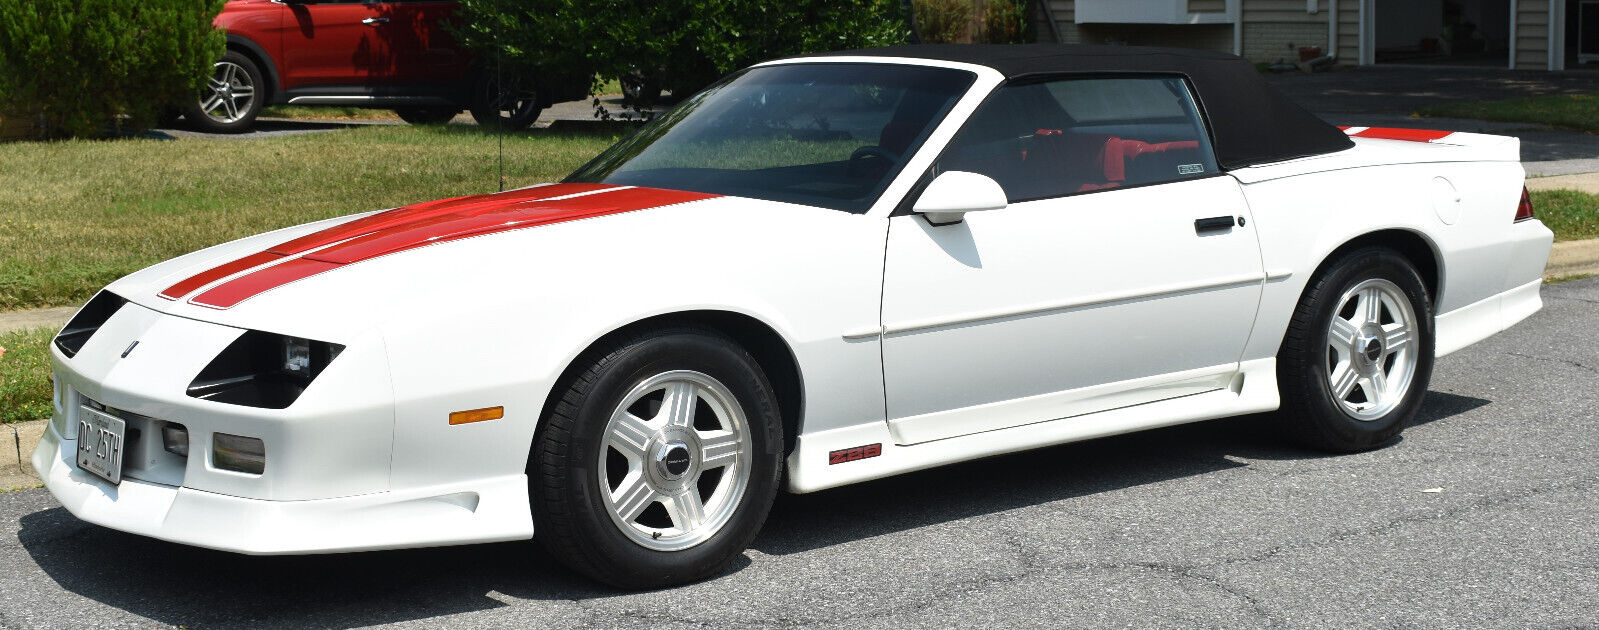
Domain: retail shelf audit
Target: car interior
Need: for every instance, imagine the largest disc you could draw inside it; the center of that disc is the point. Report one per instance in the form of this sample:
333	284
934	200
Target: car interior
1025	138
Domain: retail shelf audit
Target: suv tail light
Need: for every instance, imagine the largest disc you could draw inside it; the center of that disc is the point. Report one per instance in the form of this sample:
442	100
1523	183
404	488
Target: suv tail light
1524	209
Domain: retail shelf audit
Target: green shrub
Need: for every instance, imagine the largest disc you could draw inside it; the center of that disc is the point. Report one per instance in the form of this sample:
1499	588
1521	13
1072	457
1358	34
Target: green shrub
1005	22
86	65
942	21
681	45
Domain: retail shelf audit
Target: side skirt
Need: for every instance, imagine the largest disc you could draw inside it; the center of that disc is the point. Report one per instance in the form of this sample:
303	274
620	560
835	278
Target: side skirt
868	451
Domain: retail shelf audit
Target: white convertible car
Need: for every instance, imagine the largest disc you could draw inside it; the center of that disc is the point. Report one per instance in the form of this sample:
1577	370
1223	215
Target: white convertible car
820	271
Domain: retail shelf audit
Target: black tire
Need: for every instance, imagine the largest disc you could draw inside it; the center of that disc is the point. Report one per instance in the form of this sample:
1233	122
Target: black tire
1311	412
427	115
510	106
232	112
571	516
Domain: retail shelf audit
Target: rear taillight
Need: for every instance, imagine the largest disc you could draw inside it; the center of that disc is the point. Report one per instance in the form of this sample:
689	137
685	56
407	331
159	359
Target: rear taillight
1524	209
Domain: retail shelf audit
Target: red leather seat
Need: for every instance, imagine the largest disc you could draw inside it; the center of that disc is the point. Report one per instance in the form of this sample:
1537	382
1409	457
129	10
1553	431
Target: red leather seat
1099	162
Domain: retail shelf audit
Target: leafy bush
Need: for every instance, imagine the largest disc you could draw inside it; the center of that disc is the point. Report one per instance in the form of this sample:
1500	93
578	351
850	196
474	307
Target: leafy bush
1005	22
679	45
85	65
942	21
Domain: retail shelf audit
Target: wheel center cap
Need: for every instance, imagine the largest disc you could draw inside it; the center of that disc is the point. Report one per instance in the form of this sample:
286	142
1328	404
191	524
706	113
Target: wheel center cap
1373	348
673	459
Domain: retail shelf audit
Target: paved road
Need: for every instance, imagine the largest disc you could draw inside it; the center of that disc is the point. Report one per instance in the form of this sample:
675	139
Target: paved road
1206	525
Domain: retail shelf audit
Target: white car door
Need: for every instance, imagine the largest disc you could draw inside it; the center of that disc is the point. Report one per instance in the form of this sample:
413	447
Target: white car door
1124	270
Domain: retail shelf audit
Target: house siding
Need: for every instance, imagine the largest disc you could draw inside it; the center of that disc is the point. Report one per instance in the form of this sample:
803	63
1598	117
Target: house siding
1349	31
1532	35
1202	36
1274	30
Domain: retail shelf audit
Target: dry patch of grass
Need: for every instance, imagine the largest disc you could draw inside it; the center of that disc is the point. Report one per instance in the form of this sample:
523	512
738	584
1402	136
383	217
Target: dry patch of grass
76	215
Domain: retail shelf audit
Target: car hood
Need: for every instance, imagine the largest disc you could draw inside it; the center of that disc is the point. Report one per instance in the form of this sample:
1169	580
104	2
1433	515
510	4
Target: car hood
334	278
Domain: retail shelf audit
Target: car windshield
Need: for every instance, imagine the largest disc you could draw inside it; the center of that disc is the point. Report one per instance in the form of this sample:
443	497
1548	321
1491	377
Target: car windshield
822	134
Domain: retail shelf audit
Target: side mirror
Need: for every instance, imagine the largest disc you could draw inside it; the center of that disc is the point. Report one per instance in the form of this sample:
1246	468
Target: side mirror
954	193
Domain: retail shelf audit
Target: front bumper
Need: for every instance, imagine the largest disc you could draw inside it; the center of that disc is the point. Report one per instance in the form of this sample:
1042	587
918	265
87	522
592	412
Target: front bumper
327	485
488	510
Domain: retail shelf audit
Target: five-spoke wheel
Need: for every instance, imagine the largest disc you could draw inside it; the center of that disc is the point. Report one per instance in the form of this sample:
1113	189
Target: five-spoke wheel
659	460
1370	357
675	463
1355	363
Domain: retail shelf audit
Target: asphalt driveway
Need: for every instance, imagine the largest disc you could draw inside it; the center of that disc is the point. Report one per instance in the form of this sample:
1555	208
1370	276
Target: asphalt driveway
1482	516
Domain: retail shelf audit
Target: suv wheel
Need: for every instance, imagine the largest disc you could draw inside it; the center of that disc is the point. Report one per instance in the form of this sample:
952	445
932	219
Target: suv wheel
512	104
231	98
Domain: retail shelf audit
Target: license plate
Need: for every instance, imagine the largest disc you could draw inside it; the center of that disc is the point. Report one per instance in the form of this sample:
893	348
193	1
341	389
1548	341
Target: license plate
100	443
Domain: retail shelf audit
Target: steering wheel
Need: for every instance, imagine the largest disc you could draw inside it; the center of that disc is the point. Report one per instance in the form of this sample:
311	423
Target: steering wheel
857	159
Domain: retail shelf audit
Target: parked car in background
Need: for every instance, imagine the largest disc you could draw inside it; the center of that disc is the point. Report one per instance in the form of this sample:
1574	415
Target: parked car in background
389	55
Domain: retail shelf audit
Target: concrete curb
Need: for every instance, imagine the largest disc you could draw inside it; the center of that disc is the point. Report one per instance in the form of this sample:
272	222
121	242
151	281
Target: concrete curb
1582	182
17	442
1571	258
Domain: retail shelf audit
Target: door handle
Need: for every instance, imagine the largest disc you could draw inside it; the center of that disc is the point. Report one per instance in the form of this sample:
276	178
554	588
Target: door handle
375	21
1213	224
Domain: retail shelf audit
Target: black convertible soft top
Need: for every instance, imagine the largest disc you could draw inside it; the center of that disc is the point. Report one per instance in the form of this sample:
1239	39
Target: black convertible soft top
1251	122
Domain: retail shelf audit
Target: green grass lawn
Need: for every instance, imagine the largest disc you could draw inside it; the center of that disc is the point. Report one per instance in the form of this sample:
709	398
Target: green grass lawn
1572	215
25	375
1573	111
76	215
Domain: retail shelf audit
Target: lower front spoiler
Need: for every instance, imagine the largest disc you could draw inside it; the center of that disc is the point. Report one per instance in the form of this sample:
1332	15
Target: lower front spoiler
488	510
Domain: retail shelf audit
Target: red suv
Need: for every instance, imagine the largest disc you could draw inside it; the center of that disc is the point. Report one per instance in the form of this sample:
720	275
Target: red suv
394	54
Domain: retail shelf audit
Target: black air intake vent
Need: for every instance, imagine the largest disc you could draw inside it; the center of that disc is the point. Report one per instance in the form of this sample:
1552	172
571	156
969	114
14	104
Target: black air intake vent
89	319
262	369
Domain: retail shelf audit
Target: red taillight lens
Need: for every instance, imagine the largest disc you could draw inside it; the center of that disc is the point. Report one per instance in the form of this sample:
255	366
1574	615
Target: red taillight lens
1524	209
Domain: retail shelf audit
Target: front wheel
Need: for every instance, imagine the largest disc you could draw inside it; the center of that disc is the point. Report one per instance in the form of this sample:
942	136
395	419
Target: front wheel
659	462
231	98
1355	363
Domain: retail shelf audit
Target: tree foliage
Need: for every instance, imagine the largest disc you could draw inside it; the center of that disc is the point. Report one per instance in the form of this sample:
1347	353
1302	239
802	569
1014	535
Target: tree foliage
679	45
86	65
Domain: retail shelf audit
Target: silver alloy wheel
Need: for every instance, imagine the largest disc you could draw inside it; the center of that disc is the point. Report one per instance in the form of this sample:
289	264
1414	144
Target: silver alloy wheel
228	94
680	441
1371	349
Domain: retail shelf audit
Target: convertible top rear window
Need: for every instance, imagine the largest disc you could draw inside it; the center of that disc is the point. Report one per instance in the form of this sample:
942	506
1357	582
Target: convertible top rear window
822	134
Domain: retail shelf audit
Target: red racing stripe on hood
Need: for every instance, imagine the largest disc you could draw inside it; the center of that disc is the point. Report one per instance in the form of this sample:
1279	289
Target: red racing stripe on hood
479	220
187	285
244	287
364	225
439	222
422	211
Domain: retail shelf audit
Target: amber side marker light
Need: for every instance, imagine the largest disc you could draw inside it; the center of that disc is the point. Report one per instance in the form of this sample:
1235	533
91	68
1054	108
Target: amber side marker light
477	415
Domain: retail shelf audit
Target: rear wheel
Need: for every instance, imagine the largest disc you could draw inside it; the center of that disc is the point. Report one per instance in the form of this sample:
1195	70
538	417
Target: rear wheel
510	104
1355	363
660	461
426	115
231	98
